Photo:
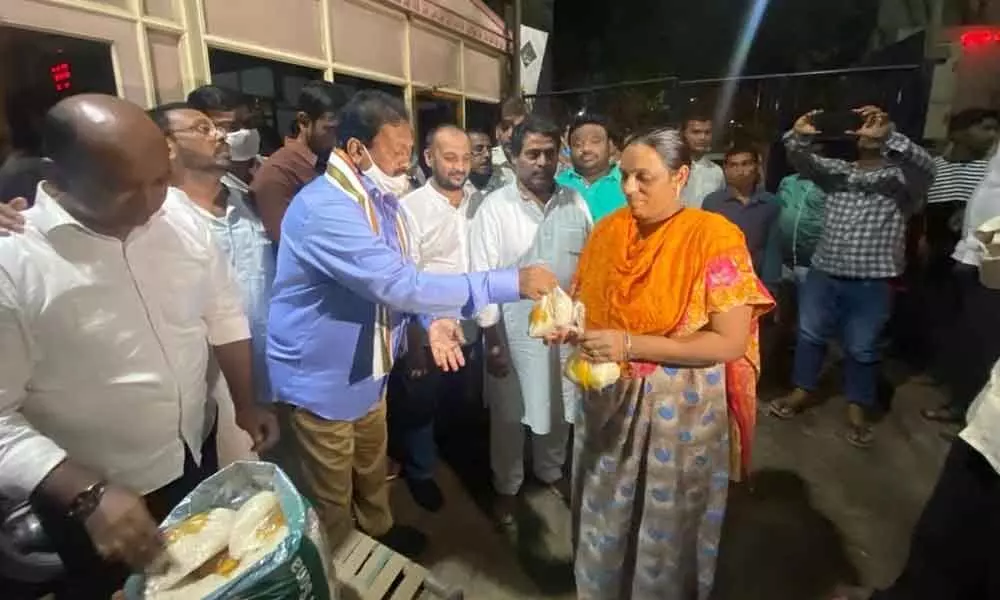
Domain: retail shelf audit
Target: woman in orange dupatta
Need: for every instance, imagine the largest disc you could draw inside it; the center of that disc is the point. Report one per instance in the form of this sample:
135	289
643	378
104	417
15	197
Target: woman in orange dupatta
671	295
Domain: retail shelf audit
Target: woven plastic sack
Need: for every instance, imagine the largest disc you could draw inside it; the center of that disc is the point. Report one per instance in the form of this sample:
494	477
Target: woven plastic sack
297	568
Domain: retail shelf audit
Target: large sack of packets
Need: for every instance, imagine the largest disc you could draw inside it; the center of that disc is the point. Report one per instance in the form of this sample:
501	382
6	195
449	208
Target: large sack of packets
245	533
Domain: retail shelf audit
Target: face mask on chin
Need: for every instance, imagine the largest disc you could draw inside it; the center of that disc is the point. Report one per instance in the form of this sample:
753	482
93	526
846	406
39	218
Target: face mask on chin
397	186
244	144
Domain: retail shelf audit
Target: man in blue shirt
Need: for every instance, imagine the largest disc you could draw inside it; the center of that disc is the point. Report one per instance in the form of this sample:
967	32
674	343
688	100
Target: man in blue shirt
593	175
345	289
748	206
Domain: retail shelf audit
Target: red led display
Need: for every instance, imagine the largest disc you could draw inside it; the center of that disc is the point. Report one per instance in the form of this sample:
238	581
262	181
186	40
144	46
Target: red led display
61	75
975	38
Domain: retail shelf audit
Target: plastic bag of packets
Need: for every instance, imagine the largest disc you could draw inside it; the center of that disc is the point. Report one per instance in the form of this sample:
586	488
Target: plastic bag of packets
244	533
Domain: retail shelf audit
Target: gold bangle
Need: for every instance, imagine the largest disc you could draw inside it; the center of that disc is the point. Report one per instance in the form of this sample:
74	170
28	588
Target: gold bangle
628	346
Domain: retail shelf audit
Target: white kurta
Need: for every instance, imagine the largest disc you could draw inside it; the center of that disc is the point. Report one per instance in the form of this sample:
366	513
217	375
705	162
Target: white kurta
510	230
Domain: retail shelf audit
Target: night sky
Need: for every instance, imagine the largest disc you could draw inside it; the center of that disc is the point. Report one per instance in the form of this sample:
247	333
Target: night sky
599	41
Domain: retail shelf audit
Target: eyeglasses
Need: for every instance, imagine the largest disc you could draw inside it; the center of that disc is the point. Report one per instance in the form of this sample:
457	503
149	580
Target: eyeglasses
205	128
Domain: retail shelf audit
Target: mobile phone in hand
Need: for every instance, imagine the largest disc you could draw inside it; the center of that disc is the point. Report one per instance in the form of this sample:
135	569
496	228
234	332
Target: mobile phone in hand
837	122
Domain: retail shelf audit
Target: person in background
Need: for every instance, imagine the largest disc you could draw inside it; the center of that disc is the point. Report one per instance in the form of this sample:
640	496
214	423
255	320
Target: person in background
671	296
512	112
200	161
972	344
532	220
972	134
103	413
861	249
345	290
754	210
231	113
286	171
565	153
706	176
23	166
483	178
800	221
592	174
438	218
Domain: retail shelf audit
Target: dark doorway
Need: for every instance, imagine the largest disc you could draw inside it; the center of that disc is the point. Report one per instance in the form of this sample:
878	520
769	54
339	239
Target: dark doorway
273	86
354	85
432	111
482	116
38	70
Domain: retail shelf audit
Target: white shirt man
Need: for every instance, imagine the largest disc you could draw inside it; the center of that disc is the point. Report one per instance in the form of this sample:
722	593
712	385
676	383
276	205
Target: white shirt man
983	205
104	346
705	178
439	234
512	229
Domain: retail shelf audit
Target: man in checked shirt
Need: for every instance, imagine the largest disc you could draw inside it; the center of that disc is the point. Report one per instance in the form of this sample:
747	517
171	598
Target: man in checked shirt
847	292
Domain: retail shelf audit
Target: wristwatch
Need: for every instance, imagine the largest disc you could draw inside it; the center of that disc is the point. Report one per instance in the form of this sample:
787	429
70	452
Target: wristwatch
86	502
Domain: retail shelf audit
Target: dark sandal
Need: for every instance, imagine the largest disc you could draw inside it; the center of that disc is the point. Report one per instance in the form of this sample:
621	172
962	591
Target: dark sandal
941	414
860	436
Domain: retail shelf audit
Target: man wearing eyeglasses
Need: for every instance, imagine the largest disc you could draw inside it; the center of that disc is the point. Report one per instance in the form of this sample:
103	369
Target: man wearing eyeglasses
200	159
483	178
512	113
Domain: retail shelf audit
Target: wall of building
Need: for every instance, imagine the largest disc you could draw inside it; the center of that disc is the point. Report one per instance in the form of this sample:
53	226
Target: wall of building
159	48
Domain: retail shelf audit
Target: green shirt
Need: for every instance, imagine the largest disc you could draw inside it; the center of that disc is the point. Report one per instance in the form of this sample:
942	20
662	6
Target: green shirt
603	197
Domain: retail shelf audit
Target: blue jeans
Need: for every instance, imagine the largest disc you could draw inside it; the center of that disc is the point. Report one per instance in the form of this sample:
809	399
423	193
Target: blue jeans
854	310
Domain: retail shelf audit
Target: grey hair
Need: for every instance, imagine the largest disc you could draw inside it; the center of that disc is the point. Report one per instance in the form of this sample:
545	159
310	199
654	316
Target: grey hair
669	144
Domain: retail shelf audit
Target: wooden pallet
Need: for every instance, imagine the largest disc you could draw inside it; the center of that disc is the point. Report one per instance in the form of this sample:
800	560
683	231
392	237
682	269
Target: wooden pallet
372	571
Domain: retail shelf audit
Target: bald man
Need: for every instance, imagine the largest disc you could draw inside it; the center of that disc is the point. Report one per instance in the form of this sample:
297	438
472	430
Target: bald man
438	218
106	300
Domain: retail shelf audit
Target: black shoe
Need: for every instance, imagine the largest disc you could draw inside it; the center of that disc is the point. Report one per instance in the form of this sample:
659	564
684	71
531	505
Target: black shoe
406	540
426	493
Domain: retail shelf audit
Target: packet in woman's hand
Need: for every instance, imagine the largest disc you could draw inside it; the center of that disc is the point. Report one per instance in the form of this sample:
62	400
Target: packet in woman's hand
591	376
553	312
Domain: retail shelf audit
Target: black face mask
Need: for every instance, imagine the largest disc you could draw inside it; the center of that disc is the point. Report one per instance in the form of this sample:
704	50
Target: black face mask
479	179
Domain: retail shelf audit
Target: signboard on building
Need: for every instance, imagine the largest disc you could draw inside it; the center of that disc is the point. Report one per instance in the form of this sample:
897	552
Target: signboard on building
532	55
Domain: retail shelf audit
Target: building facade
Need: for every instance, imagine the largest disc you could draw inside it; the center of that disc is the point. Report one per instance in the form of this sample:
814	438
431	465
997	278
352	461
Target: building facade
430	52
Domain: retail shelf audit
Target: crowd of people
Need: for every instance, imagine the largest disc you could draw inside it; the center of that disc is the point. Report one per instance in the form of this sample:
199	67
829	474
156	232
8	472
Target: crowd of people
173	301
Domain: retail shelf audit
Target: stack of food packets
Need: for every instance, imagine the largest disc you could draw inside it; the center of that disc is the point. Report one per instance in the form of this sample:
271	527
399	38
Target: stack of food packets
556	311
243	533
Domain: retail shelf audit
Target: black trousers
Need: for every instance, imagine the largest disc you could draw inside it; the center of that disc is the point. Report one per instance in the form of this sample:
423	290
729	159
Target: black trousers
953	553
88	576
428	407
973	342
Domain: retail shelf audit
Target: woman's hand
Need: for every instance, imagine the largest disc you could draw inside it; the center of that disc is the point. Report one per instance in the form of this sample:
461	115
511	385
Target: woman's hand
562	336
603	345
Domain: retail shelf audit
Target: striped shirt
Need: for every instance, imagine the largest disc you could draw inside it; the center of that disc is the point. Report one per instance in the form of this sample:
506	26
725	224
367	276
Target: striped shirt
955	181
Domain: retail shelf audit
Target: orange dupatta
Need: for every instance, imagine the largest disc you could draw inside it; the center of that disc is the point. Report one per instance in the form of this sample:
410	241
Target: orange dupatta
668	283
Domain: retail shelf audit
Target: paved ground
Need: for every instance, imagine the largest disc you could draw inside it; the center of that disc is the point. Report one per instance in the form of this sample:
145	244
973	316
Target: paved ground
816	512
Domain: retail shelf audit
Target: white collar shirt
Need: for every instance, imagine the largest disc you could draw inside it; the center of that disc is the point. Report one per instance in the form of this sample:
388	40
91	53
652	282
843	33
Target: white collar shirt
705	178
106	343
439	235
981	207
439	231
504	229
